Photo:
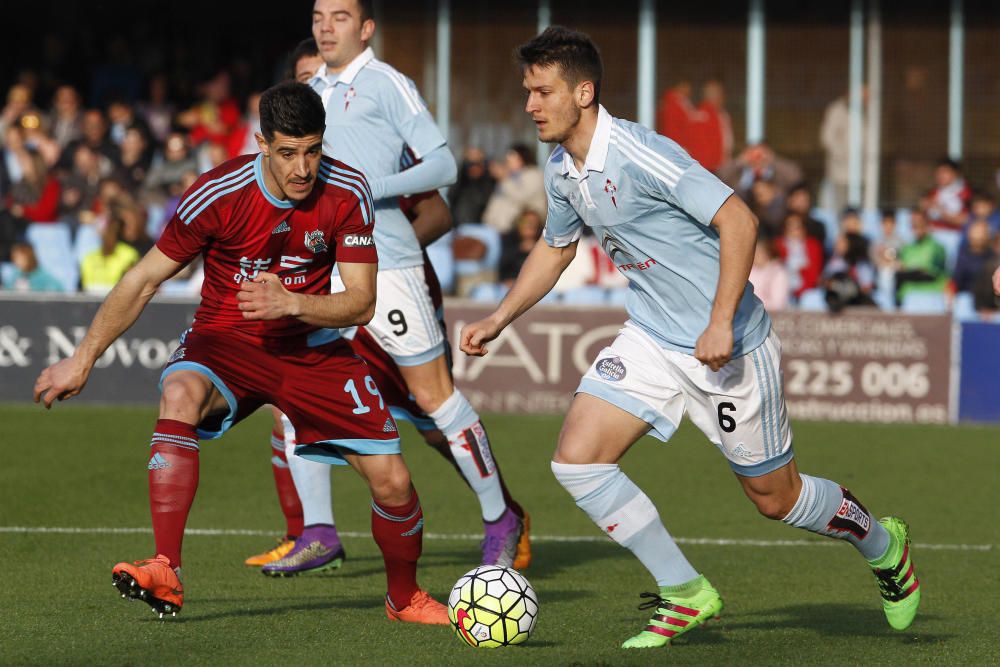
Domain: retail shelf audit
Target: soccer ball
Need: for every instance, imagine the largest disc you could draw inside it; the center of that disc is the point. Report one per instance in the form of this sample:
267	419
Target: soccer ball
492	606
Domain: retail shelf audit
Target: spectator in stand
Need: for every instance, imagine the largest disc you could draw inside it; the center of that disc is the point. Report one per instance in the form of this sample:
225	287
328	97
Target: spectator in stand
210	155
102	268
973	256
800	201
768	205
132	217
35	196
802	255
520	187
713	128
885	251
472	191
28	276
216	117
983	207
769	276
168	172
245	140
834	135
517	245
66	117
80	186
305	60
677	114
986	289
122	116
18	104
157	111
757	162
922	263
850	222
849	277
948	202
134	161
94	129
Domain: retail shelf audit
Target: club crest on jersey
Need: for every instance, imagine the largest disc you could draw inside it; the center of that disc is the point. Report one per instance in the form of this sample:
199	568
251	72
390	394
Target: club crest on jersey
610	188
611	369
348	96
315	241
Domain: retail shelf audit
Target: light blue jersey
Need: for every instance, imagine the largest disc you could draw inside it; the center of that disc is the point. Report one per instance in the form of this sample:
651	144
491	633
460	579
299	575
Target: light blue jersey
372	112
650	206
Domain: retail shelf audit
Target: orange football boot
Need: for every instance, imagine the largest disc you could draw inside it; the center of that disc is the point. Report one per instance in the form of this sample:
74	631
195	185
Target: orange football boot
153	581
422	609
523	557
285	545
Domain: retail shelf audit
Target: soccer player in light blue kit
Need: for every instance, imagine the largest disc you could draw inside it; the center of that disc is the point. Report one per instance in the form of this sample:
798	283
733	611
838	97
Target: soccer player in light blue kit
697	341
373	112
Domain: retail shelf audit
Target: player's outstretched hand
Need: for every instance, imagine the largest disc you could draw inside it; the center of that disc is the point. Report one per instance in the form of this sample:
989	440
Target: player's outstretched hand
264	298
715	346
996	281
63	379
475	336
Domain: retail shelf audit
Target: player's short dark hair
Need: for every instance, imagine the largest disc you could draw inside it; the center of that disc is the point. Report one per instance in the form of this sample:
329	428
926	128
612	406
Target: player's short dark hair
305	49
575	53
367	8
292	108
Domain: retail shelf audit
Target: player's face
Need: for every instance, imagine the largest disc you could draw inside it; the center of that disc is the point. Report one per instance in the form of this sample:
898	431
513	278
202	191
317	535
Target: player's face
292	164
551	103
306	68
339	31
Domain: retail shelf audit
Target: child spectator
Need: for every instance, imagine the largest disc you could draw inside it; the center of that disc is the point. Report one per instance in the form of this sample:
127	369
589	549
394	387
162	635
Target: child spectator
972	257
101	269
769	276
802	255
28	276
849	277
922	263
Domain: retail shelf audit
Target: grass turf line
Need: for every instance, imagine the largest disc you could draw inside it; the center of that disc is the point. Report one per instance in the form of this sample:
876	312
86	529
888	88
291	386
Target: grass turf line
85	466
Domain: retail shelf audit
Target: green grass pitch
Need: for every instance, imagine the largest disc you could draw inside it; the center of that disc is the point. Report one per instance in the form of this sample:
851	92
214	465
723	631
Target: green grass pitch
803	603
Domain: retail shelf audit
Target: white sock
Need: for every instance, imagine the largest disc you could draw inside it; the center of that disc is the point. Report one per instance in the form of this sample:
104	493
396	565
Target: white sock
627	516
470	446
312	481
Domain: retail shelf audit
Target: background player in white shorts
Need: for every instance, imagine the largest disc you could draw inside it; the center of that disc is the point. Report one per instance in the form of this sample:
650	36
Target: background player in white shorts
697	340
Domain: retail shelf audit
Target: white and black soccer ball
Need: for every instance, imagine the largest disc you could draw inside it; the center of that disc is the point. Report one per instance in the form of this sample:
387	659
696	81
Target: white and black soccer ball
492	606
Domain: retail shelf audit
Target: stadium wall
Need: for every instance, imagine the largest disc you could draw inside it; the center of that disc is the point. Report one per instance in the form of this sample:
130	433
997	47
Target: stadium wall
858	366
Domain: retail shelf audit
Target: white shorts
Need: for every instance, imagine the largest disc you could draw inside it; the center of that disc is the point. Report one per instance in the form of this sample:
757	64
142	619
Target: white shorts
405	323
740	408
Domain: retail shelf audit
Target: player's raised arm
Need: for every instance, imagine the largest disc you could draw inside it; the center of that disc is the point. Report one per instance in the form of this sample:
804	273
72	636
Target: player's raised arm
119	311
737	227
537	278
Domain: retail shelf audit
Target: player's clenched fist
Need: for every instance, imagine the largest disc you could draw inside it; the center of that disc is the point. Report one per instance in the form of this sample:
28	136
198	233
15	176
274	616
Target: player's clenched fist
715	346
265	298
476	335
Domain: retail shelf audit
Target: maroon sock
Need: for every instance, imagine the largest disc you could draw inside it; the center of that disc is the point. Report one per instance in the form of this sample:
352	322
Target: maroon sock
173	480
398	532
291	506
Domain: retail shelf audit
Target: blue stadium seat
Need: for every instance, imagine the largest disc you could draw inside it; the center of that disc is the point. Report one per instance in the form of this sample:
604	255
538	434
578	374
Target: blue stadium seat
924	303
586	295
871	224
617	296
488	292
54	248
904	225
550	298
7	270
813	300
963	308
88	239
951	240
490	238
443	262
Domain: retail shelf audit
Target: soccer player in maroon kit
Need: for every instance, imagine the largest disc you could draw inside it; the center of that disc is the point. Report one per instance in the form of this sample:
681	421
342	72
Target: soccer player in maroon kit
270	228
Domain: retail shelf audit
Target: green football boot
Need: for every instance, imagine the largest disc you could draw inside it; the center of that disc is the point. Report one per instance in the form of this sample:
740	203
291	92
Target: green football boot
896	579
677	610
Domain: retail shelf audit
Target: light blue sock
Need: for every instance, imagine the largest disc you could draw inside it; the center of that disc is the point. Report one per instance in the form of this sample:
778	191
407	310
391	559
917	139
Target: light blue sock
628	516
826	508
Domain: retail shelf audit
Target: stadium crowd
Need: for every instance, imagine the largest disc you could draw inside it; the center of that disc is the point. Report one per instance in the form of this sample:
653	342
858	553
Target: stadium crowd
84	192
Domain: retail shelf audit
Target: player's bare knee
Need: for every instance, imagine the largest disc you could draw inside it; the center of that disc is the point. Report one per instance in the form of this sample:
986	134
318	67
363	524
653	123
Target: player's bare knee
182	399
774	506
391	486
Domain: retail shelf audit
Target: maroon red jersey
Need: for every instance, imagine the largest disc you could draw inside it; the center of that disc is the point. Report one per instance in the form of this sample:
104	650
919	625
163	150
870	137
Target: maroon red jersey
241	229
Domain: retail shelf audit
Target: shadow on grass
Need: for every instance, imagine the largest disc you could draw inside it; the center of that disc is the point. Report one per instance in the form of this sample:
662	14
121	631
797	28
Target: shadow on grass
835	620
